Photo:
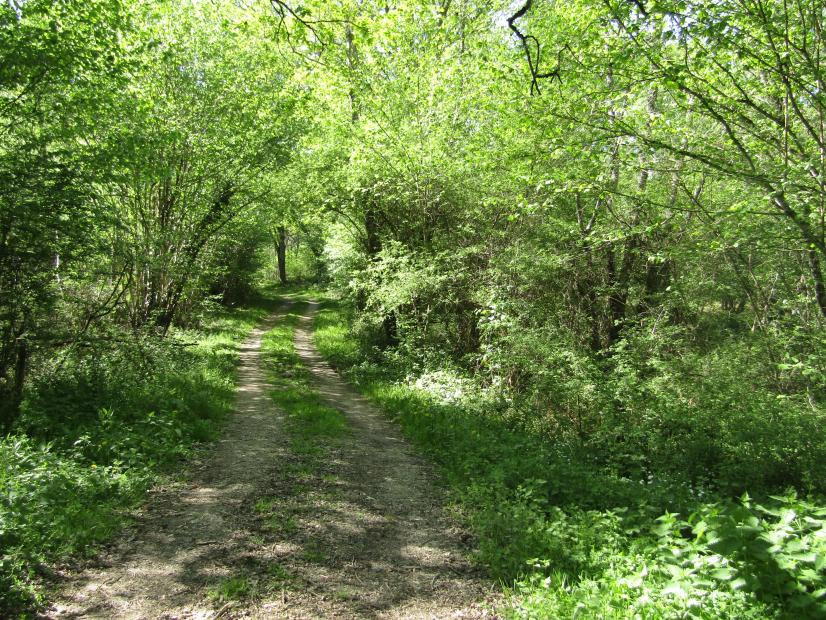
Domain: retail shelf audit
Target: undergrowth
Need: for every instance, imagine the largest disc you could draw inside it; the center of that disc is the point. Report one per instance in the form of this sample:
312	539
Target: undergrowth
99	426
569	538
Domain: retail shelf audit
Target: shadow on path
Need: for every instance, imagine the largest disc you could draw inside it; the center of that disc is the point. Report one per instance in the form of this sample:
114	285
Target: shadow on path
353	532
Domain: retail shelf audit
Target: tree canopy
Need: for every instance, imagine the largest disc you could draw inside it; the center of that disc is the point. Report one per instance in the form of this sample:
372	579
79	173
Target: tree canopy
609	215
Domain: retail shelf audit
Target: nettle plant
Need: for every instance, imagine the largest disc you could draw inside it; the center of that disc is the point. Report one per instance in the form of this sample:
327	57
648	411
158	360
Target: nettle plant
776	549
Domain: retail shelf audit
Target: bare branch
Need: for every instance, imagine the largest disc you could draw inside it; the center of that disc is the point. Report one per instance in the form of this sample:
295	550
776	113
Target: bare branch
533	61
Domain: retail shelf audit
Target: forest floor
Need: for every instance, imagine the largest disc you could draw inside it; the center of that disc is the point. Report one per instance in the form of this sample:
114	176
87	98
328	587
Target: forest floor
267	527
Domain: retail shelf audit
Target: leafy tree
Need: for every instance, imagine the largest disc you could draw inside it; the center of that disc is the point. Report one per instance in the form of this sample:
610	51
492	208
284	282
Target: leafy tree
60	63
210	112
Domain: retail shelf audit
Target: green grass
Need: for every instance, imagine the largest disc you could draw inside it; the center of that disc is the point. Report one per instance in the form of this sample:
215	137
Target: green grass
313	427
568	538
231	589
311	421
96	431
313	553
283	525
279	575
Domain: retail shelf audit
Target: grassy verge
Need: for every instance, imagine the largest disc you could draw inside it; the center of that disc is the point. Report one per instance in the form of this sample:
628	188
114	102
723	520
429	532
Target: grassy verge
310	422
571	540
98	428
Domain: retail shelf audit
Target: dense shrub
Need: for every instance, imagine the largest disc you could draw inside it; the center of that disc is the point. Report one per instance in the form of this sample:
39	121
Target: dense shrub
583	529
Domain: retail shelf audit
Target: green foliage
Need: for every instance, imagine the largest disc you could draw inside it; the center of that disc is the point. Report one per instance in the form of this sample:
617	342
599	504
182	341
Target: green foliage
97	429
55	503
714	416
330	334
728	559
310	419
578	538
602	252
279	574
134	137
57	62
231	589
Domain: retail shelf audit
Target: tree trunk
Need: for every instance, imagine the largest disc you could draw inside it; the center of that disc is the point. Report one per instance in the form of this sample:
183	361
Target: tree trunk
391	329
281	250
616	300
817	278
13	392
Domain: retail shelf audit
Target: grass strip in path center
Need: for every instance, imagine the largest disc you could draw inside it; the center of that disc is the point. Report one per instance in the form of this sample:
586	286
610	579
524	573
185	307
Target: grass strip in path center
351	524
310	421
285	512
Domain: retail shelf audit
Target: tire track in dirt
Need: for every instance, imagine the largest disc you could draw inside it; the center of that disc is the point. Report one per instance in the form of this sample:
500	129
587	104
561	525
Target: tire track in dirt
371	515
187	539
358	531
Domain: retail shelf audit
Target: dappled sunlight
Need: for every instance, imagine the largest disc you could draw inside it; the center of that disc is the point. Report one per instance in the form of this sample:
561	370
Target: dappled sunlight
181	541
565	263
362	507
349	524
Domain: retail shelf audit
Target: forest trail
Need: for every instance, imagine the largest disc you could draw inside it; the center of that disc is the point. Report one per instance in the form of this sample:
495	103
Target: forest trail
360	536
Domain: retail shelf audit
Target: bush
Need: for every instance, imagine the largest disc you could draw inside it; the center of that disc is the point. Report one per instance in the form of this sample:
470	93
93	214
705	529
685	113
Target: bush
711	417
574	534
53	504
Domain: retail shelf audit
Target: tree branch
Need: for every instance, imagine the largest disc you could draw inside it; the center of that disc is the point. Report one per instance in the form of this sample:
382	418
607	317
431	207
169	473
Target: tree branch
533	62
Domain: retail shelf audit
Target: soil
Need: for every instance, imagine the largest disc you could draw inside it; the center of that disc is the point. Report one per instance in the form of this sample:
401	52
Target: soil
269	528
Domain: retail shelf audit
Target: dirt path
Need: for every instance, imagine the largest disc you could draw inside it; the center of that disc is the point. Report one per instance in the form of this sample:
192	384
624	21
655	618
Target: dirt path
279	533
389	551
